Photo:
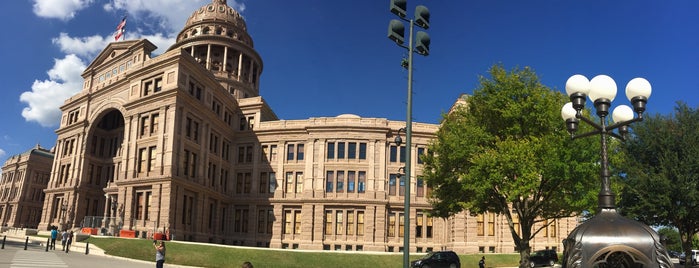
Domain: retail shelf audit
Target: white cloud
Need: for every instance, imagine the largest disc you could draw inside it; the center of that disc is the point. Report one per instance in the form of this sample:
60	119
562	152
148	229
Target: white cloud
59	9
2	155
159	40
170	14
167	17
85	47
46	97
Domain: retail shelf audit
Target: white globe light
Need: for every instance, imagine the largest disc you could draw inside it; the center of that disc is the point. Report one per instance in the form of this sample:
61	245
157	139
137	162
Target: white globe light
602	86
638	87
568	112
622	113
577	84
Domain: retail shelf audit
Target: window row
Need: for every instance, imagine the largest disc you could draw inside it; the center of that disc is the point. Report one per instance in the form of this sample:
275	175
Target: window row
344	222
335	181
421	189
152	85
423	225
397	154
115	71
346	150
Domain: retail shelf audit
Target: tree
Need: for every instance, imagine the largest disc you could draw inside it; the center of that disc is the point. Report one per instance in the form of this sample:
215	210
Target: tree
671	238
662	173
506	151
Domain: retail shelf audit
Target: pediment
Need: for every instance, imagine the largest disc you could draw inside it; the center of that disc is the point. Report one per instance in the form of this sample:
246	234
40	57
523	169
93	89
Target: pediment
118	50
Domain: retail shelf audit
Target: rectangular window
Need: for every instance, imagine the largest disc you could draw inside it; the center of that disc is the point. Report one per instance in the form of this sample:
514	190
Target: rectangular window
158	84
297	222
142	158
289	182
392	184
480	225
331	150
350	181
362	150
329	181
419	224
299	182
151	158
361	182
360	223
340	181
248	154
140	202
340	150
350	222
401	191
272	182
351	150
491	224
392	225
263	182
147	88
328	222
429	226
393	154
154	121
287	221
401	225
339	225
241	154
248	183
299	152
420	187
420	153
290	152
144	126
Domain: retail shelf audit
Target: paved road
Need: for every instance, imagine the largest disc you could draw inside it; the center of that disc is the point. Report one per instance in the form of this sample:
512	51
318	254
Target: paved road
14	256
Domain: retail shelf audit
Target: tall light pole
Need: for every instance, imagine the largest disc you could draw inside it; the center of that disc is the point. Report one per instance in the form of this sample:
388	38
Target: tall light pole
608	239
396	32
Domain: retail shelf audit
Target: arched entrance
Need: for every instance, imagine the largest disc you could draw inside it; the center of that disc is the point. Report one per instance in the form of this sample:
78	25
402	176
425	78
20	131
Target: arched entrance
102	162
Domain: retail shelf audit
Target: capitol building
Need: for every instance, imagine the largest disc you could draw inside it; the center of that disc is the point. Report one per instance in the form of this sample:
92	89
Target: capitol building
183	144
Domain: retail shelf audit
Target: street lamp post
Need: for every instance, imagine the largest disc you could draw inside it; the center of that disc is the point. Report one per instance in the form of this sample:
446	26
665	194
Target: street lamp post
396	32
608	239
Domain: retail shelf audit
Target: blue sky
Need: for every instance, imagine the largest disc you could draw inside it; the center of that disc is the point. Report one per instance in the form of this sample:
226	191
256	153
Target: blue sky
325	58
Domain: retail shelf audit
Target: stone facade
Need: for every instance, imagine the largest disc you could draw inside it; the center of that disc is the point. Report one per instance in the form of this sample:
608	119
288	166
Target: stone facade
183	143
24	178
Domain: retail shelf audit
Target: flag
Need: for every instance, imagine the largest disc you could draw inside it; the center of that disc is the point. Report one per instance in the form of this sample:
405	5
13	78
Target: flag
120	29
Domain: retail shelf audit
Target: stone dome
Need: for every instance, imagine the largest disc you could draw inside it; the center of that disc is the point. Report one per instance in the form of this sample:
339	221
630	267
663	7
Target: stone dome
215	18
217	10
216	36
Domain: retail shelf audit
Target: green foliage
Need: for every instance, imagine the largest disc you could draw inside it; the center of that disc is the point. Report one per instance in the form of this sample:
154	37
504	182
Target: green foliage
662	167
672	238
507	151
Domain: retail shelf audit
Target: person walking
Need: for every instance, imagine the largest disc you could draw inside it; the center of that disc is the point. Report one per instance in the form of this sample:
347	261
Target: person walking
54	235
159	253
70	241
481	263
64	239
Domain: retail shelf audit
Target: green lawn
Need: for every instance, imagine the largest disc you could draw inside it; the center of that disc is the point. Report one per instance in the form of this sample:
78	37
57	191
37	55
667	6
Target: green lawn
214	256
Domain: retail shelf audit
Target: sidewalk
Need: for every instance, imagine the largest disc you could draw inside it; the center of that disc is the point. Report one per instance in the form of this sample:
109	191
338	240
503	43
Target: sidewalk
19	235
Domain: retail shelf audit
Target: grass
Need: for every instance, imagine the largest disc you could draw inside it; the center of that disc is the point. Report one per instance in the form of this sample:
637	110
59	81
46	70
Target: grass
215	256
